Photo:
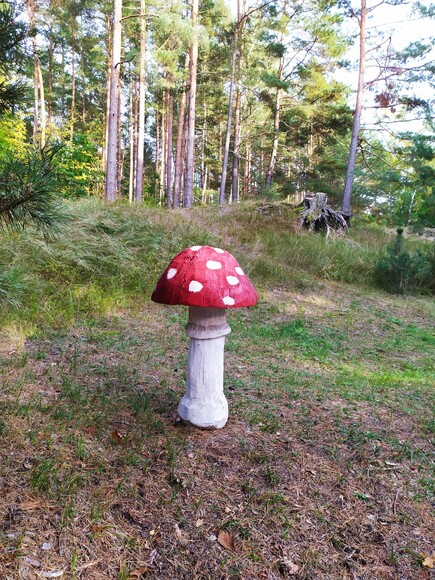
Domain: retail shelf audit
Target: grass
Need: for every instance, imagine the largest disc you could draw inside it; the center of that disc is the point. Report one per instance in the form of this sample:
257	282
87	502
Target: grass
324	468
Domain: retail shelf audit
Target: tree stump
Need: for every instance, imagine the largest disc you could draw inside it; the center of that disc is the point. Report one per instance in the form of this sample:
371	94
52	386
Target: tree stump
318	216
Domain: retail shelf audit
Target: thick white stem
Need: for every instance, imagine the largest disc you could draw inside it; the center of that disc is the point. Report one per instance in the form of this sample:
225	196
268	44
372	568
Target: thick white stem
204	405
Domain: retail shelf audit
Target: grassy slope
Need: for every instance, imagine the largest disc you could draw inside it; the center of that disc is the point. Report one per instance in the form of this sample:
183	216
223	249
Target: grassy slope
324	467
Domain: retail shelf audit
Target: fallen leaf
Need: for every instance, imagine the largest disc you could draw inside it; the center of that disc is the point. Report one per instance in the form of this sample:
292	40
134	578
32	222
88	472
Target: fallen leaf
56	574
139	572
116	436
292	568
33	505
429	561
181	536
199	523
46	546
226	541
32	561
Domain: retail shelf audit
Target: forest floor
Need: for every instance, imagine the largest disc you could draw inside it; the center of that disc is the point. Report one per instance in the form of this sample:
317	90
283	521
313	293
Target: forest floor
324	469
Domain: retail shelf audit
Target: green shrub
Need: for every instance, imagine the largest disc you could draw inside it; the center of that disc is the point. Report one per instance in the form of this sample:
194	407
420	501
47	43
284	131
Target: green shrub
399	271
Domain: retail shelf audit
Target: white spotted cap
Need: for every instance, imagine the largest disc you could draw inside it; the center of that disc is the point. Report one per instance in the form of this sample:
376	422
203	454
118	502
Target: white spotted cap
206	277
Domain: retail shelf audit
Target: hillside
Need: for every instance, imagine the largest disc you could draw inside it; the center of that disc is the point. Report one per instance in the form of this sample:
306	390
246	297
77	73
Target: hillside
324	468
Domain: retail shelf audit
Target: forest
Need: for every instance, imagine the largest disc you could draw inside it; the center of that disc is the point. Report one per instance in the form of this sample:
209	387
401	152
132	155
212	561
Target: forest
136	131
177	103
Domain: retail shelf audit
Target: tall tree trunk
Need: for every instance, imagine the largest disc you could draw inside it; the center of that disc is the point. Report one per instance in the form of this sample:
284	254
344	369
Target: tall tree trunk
180	132
50	72
112	137
347	194
42	104
83	86
157	158
247	170
184	152
190	152
108	84
203	144
131	130
276	119
31	13
204	185
169	152
141	119
163	146
234	55
62	102
236	158
120	153
73	80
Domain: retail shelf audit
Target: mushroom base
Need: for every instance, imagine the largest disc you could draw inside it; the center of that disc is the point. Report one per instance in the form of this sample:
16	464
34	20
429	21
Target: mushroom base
204	405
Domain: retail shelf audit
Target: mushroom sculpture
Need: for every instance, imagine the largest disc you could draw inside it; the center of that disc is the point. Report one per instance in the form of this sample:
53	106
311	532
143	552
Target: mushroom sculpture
208	280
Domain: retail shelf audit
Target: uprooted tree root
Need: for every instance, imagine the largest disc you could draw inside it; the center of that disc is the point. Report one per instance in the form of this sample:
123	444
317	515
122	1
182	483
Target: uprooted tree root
318	216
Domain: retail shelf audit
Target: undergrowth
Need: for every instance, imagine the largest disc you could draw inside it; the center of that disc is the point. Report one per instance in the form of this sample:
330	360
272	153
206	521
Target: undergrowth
106	258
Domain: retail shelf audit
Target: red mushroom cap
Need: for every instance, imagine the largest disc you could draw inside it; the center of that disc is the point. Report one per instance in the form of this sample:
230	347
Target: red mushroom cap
207	277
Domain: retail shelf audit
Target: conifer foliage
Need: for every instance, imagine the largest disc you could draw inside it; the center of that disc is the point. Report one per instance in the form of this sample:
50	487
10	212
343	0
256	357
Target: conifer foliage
400	271
187	102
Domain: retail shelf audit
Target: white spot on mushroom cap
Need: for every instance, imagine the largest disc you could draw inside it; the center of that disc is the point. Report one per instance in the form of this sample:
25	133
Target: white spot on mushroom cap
195	248
239	271
171	273
232	280
195	286
218	250
228	301
212	265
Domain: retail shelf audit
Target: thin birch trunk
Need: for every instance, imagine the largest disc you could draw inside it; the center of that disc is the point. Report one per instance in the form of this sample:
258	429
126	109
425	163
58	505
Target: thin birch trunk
141	115
112	137
347	194
190	149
